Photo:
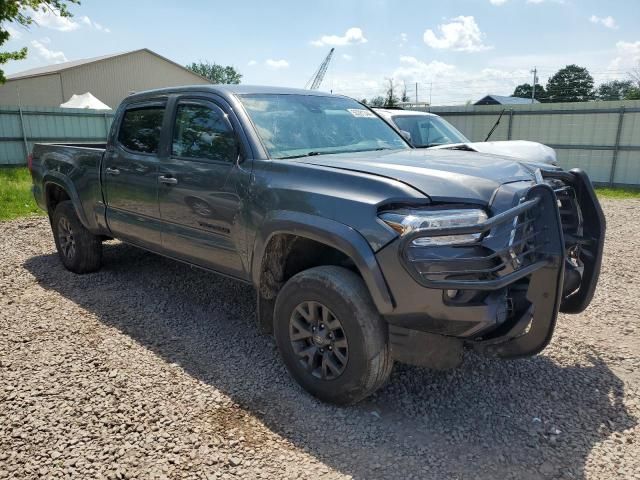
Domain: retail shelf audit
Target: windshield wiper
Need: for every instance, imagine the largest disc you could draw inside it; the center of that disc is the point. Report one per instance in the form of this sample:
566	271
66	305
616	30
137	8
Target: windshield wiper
308	154
314	153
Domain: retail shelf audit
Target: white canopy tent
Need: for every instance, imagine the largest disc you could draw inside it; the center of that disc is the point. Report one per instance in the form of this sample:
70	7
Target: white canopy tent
86	100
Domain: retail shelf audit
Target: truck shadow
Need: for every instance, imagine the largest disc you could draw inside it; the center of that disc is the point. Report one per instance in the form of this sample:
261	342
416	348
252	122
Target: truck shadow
531	418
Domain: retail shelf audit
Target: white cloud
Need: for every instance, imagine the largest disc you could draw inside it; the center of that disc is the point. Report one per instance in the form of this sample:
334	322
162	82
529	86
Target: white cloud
13	32
403	39
276	64
351	37
52	19
498	2
90	23
252	63
608	22
43	52
462	34
347	57
627	56
441	82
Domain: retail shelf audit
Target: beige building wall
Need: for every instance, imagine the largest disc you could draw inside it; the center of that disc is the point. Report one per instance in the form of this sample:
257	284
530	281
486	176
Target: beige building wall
113	79
110	80
44	91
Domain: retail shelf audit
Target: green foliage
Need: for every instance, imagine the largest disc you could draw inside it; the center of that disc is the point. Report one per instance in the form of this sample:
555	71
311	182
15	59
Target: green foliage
378	101
405	96
16	199
614	90
14	11
216	73
633	94
570	84
525	90
391	99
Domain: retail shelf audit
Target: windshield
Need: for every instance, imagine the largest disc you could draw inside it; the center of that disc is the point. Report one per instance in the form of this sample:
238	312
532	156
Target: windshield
428	130
300	125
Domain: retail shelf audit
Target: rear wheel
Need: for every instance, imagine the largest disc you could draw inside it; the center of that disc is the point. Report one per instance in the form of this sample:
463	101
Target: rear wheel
79	250
330	335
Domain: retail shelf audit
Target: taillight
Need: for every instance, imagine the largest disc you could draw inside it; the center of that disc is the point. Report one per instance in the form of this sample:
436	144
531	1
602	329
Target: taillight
30	161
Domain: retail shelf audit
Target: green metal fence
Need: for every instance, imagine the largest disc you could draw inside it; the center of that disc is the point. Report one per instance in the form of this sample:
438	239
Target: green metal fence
21	127
602	138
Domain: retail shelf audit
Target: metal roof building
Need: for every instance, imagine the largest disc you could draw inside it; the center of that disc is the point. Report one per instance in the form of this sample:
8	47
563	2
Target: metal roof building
504	100
110	78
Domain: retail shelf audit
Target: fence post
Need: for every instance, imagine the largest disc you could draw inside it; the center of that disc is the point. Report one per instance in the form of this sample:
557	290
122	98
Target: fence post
616	147
24	134
106	126
511	113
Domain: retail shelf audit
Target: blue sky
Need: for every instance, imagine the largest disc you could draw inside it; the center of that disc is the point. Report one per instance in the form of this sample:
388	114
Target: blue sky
455	50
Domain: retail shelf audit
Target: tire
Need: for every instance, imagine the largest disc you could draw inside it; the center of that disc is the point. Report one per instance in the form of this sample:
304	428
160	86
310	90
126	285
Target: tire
333	293
79	250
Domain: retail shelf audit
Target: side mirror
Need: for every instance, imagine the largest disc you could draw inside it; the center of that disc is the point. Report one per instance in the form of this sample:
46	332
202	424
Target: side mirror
406	135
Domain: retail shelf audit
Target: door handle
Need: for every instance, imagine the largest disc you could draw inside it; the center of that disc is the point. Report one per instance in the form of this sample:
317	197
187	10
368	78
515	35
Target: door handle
112	171
167	180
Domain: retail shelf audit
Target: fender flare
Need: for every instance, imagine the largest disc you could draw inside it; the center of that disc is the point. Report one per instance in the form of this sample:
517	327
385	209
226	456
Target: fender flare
329	232
62	181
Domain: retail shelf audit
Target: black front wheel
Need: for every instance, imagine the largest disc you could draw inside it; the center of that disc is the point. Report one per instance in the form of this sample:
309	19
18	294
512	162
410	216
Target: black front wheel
330	335
79	250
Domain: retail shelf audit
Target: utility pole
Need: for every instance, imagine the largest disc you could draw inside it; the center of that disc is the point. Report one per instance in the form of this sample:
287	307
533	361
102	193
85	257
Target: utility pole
430	89
416	93
535	80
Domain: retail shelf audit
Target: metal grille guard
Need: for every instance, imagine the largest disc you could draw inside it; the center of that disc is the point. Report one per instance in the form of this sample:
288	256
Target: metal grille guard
500	245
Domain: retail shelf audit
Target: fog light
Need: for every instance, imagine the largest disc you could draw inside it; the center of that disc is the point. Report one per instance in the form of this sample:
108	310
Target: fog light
452	294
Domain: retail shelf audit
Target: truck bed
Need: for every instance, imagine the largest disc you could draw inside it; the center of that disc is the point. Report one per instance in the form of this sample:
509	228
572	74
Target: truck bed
75	167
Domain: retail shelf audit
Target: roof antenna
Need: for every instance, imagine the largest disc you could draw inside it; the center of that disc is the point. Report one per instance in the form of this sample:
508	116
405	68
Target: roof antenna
495	125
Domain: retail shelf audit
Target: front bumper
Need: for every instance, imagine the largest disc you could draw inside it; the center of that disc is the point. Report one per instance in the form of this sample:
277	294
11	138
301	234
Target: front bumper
512	284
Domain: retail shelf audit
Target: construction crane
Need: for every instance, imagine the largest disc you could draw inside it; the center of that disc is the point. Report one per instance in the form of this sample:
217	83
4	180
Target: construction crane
316	80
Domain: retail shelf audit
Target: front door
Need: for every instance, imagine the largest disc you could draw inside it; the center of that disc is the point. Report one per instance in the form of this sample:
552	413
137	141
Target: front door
199	188
130	175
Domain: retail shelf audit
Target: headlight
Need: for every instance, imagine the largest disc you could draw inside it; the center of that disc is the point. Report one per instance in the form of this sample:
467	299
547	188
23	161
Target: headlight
408	220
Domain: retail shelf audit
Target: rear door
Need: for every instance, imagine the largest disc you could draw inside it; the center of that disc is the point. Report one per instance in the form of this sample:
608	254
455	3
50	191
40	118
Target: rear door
130	174
201	181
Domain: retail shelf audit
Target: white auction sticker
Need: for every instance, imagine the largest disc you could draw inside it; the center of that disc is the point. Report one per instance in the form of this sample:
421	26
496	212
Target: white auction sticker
361	113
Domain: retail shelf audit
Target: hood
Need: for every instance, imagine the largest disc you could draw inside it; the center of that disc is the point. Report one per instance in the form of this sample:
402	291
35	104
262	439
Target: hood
443	175
522	150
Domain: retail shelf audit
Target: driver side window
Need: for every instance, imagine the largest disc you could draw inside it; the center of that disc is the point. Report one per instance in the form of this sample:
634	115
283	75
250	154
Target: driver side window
203	132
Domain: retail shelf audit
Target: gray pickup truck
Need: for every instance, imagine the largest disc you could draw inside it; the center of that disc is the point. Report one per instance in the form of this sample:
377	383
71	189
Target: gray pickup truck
362	250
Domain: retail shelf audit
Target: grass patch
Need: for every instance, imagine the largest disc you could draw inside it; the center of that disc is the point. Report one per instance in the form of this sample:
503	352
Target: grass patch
618	193
16	199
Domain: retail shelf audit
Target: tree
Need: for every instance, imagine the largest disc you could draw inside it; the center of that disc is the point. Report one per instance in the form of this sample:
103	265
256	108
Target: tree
525	91
216	73
15	11
634	74
391	99
404	97
570	84
378	101
615	90
633	94
364	101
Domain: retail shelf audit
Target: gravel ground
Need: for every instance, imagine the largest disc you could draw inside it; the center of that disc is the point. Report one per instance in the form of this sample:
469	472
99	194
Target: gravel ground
151	369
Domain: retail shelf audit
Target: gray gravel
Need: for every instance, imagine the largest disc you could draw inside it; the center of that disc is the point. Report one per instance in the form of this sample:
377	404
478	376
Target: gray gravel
151	369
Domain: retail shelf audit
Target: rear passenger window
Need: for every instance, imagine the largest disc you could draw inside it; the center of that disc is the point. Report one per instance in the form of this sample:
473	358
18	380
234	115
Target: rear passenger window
140	129
203	132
